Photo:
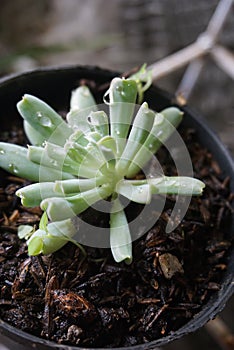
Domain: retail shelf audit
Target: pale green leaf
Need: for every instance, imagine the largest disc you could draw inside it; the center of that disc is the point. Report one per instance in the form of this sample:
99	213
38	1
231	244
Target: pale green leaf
68	187
82	98
122	98
68	207
43	222
142	125
120	237
33	135
183	185
14	159
136	193
99	121
41	117
164	125
25	231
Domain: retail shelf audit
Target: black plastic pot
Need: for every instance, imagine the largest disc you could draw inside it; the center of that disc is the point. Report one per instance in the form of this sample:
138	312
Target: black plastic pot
54	86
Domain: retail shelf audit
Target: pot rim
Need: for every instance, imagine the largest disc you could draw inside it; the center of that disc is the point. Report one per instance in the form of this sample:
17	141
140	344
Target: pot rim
207	313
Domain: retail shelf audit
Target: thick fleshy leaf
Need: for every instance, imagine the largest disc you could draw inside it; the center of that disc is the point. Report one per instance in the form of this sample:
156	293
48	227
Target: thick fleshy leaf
99	122
74	186
108	147
54	237
93	136
25	231
62	230
33	195
52	156
44	119
35	243
33	135
68	207
14	159
136	193
82	98
79	120
182	185
122	98
49	238
43	222
120	237
42	242
79	137
82	104
60	158
141	128
84	150
164	125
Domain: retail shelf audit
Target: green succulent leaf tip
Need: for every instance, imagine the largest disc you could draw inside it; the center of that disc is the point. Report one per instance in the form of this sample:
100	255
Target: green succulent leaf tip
89	157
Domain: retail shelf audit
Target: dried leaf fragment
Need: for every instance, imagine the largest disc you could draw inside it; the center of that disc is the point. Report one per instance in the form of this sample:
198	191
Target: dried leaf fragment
170	265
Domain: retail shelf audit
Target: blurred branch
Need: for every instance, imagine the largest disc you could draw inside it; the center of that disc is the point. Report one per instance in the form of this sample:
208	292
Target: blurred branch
221	333
193	53
179	59
190	78
224	59
37	52
218	19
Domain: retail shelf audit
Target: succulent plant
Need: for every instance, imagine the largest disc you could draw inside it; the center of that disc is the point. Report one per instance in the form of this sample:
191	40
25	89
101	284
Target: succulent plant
90	156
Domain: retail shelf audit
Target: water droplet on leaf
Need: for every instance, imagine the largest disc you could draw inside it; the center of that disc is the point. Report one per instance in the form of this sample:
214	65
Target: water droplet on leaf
54	162
2	151
13	168
159	133
43	120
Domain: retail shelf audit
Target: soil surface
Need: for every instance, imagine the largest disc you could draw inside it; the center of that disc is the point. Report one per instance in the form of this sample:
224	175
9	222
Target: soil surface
93	301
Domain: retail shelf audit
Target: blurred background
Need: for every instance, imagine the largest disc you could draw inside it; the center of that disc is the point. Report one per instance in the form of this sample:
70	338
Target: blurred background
120	35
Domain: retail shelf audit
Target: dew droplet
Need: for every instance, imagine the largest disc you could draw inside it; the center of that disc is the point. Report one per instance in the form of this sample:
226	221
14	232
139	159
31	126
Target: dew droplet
119	88
150	146
159	133
13	168
117	132
140	189
2	151
44	121
54	162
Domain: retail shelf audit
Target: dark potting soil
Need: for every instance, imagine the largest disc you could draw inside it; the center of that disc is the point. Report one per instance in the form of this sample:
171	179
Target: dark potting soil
95	302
